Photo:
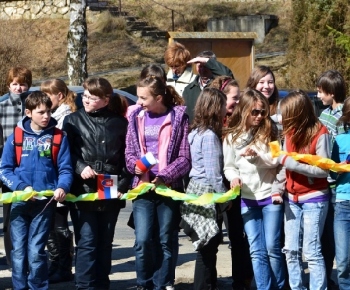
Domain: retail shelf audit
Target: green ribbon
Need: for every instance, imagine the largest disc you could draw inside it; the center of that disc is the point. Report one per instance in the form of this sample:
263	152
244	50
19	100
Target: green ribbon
206	198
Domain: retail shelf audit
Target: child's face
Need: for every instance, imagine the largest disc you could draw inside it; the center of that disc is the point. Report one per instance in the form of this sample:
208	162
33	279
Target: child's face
232	99
266	85
40	116
327	99
17	87
256	115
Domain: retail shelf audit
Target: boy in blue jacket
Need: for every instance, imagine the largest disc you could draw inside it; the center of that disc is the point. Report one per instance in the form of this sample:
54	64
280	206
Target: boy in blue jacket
30	220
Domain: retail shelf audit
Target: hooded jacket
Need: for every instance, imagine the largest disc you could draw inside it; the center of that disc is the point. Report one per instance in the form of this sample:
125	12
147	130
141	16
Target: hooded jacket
36	168
178	160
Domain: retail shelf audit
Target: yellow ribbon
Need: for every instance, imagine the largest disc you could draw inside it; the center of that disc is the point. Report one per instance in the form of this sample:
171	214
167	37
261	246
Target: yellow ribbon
315	160
207	198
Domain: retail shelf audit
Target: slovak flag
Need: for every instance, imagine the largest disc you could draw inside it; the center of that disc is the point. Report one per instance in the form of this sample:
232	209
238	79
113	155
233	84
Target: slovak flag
107	186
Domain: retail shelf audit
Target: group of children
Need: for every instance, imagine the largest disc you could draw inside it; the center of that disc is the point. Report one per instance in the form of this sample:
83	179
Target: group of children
284	204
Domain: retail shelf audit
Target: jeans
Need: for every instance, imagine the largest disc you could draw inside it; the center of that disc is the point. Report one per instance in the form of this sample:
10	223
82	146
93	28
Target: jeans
342	243
303	227
30	227
263	225
94	232
154	218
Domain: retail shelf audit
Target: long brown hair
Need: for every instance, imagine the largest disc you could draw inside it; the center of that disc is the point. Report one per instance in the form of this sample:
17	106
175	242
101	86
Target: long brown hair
207	112
223	83
257	74
56	86
157	87
299	120
264	133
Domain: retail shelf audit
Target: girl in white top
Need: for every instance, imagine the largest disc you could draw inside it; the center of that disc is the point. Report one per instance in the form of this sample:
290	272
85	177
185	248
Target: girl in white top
248	163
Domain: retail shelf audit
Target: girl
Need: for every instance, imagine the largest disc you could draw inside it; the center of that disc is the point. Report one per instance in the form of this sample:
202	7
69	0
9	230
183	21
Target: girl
96	135
60	241
230	88
63	99
205	176
340	153
248	164
263	80
159	126
305	188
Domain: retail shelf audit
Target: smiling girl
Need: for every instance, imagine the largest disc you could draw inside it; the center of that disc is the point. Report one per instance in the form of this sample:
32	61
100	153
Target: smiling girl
262	79
159	126
249	165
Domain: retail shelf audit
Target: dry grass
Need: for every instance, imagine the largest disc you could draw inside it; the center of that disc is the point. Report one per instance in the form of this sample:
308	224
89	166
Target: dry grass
41	45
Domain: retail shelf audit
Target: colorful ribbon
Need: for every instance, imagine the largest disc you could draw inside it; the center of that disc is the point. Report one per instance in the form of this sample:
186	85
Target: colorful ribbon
321	162
207	198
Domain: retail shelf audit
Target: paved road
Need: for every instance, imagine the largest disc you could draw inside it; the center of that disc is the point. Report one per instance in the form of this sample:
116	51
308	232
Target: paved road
123	262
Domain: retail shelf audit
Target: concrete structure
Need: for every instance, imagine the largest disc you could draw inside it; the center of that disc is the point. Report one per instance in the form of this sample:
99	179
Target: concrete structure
261	24
233	49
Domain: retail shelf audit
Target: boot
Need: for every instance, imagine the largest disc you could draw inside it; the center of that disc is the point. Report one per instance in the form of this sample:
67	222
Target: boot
52	247
65	242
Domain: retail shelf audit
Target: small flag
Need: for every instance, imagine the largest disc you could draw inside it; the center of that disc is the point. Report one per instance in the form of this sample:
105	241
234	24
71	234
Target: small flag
146	162
107	186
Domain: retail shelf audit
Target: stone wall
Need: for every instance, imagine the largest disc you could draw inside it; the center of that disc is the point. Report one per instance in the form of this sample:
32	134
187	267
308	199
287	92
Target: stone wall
35	9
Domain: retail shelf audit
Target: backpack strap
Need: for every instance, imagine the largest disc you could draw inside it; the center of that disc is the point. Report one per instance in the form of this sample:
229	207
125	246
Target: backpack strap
18	141
56	144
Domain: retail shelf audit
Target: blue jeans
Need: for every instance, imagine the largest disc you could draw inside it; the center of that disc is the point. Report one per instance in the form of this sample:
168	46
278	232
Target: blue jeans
154	218
263	225
303	227
342	243
30	229
94	232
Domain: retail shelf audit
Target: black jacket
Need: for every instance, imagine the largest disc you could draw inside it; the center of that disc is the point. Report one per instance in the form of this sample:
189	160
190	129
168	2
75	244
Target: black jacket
97	140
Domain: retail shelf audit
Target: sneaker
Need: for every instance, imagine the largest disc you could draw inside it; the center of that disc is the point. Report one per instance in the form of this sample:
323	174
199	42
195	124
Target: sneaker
169	287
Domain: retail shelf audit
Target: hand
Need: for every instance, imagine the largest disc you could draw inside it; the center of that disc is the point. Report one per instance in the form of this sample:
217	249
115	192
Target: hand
198	60
59	195
249	152
157	181
120	195
236	182
29	189
88	173
138	171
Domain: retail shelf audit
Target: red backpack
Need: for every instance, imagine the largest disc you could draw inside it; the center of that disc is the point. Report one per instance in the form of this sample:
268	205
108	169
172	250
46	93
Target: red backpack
55	148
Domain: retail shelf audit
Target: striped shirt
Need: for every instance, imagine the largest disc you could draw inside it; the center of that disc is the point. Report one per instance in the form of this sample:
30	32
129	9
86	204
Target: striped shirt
12	109
329	118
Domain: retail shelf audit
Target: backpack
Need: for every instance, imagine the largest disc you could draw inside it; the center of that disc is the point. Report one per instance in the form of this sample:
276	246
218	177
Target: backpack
55	148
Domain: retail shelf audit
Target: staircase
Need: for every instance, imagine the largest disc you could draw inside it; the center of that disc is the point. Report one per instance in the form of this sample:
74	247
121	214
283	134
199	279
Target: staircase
135	26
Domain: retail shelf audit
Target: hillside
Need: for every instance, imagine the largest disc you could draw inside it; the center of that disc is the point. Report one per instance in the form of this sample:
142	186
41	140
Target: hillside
41	46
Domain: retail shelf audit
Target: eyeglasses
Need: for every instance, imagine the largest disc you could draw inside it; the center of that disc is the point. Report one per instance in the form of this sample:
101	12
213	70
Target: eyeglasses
90	98
256	112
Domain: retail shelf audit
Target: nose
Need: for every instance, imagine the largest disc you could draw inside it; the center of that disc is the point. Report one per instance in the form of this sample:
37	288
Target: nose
139	102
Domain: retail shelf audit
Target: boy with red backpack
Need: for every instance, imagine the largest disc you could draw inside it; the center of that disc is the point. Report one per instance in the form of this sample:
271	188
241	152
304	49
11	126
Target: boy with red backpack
30	166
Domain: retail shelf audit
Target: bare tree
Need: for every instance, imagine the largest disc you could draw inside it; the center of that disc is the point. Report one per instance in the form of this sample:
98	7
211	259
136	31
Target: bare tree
77	43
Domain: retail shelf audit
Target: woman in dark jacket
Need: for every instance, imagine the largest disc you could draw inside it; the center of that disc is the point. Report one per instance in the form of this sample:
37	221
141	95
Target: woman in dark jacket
96	135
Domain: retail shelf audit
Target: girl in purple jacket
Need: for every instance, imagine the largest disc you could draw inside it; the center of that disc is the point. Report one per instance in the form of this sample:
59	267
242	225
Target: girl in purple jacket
159	126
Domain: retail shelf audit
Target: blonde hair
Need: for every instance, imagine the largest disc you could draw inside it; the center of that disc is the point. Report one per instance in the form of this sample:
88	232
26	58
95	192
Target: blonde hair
56	86
264	133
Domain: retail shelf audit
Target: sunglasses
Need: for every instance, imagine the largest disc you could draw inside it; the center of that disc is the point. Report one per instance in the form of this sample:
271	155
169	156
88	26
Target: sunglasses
256	112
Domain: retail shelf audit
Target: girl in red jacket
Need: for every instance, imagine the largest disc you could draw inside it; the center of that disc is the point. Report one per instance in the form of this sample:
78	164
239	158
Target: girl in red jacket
305	190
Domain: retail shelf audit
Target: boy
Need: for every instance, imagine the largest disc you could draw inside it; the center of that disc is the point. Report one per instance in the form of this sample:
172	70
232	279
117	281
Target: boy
19	80
31	220
331	90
